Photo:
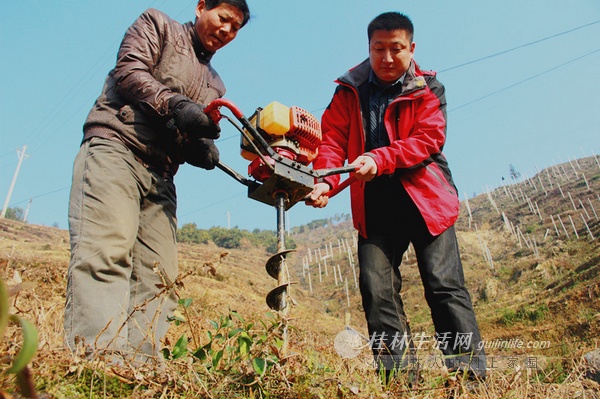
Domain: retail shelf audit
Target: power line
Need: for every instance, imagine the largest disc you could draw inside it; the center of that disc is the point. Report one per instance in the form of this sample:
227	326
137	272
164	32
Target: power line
71	94
505	52
519	47
42	195
210	205
524	80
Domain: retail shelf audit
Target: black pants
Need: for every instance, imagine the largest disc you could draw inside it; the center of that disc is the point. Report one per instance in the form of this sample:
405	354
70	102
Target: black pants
440	267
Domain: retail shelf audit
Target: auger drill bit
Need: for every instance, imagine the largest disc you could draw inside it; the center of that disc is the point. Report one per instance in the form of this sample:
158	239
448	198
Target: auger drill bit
277	298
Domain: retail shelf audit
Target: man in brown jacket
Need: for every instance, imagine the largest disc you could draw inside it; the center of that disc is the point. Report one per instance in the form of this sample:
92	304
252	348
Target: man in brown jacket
147	121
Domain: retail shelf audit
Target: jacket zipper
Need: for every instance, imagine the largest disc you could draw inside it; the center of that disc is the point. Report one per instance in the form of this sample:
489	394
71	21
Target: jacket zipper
441	180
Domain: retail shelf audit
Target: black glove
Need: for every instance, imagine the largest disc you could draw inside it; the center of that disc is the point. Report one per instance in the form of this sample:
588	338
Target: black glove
202	153
189	117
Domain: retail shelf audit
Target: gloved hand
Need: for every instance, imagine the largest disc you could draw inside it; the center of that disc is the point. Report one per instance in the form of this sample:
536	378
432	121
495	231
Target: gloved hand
189	117
202	153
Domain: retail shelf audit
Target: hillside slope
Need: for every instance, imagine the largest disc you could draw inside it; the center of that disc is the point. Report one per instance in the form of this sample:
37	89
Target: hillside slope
531	254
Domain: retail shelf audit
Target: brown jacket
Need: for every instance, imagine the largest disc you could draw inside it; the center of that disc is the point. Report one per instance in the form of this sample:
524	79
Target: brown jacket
158	58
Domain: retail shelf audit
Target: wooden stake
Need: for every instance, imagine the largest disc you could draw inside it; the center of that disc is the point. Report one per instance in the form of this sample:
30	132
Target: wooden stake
347	293
561	191
354	274
490	260
550	181
572	167
573	225
563	226
586	182
468	209
593	210
587	227
320	274
542	184
554	224
335	276
572	202
583	207
564	172
538	211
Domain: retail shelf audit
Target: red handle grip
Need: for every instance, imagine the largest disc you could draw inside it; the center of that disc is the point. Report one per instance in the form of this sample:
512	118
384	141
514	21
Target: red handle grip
213	111
336	190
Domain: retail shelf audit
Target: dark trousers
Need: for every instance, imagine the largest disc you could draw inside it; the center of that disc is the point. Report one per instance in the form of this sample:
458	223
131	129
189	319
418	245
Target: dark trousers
440	267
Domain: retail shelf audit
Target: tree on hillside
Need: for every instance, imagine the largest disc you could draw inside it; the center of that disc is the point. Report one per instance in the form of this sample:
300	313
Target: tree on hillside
15	213
317	223
514	174
189	233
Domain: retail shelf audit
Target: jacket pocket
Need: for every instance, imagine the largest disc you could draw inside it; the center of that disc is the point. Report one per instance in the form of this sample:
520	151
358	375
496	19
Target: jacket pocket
441	179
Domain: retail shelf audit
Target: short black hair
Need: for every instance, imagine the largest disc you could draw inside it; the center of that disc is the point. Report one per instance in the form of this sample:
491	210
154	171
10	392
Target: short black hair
389	21
239	4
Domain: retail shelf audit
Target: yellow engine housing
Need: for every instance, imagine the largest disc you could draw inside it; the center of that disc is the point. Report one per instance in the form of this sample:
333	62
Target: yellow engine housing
290	128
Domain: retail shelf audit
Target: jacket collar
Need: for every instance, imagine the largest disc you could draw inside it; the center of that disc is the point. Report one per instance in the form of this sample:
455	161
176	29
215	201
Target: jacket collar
202	53
358	75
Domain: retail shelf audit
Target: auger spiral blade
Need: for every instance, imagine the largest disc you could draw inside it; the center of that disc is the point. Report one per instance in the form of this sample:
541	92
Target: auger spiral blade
275	263
277	298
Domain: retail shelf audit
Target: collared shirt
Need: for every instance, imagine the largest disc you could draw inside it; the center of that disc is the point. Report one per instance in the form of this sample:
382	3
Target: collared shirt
379	98
386	201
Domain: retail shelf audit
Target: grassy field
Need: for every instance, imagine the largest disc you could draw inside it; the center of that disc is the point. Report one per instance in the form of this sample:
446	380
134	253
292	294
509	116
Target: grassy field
535	291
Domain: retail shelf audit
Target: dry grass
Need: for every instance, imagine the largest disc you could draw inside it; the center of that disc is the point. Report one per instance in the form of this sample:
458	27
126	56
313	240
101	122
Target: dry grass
552	296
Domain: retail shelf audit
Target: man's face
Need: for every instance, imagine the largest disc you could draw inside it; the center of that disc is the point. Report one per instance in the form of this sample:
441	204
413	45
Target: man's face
218	26
390	53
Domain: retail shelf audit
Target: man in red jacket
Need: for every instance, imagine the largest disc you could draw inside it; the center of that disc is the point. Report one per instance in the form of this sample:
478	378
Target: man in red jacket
388	118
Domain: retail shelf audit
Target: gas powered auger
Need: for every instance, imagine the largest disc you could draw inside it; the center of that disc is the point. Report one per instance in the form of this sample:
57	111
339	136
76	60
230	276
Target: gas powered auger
280	142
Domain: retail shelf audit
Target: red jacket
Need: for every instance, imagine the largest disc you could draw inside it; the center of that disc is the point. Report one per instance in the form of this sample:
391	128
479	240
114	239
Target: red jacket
416	125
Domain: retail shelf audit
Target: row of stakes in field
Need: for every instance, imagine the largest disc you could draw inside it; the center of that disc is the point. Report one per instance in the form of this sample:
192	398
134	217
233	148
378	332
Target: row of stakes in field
325	262
553	176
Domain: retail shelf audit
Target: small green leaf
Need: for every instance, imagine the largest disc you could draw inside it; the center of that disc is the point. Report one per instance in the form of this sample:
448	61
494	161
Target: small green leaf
244	344
235	331
30	343
238	316
226	322
278	343
259	365
185	302
217	358
180	348
219	337
262	338
202	353
3	308
177	317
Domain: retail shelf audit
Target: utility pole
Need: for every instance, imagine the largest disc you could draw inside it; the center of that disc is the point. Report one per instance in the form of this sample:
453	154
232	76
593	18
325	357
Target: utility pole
27	210
228	220
21	154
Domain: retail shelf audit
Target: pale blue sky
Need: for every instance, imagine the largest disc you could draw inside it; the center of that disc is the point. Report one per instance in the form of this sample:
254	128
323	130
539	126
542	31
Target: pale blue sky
530	99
